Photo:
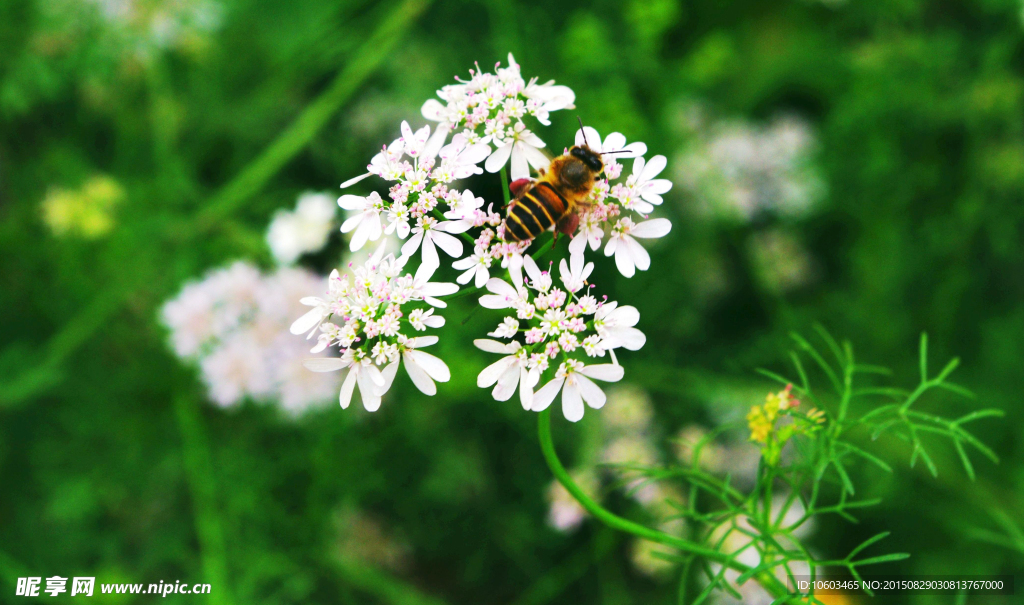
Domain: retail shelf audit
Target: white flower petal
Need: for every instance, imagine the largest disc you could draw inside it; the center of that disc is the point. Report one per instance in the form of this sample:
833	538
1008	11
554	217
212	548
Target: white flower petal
493	346
543	397
520	168
535	157
345	396
366	390
431	261
451	245
388	374
626	315
572	403
507	383
623	258
352	202
354	180
627	338
371	403
481	277
493	372
653	168
307	322
607	372
433	110
432	365
418	375
658	227
498	158
588	136
578	244
494	301
590	392
641	259
421	341
351	222
527	380
323	364
436	141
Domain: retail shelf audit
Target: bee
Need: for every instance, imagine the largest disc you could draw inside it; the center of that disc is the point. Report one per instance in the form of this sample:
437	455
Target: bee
556	198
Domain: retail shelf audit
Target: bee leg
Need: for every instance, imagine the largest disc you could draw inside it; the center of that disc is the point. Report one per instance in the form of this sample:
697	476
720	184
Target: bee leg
519	187
567	224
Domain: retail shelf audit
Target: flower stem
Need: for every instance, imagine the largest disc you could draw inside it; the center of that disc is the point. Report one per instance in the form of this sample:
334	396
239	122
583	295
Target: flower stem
547	446
547	247
208	522
504	186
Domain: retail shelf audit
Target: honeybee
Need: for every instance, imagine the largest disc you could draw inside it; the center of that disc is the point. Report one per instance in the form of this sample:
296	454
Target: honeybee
556	198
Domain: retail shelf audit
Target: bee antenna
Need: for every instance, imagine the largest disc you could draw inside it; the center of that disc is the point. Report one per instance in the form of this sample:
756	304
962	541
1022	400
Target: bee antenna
616	151
583	131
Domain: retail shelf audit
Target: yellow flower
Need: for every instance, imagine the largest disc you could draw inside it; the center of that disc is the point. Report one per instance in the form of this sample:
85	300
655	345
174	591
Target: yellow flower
760	423
87	212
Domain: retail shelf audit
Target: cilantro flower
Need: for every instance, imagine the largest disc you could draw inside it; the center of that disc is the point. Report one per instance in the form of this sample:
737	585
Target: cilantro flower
552	332
367	315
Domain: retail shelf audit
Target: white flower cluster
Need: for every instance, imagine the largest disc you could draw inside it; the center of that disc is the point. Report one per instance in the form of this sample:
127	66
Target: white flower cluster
560	332
739	171
422	206
303	230
621	205
151	26
234	323
489	109
372	317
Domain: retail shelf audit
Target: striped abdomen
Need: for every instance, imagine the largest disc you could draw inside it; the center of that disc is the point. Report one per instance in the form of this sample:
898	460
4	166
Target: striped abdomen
532	214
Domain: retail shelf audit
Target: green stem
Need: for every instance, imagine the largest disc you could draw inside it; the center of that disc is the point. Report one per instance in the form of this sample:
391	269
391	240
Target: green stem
505	193
547	446
547	247
366	60
385	586
199	470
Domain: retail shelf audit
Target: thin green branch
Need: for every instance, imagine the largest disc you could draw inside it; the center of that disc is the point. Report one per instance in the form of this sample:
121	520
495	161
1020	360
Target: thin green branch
770	583
367	58
209	525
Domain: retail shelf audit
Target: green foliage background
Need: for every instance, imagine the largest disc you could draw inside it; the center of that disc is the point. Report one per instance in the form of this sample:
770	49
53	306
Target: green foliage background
111	465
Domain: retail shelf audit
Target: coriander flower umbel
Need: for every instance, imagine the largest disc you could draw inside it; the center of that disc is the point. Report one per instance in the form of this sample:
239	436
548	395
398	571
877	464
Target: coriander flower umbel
552	332
490	108
619	207
420	195
372	317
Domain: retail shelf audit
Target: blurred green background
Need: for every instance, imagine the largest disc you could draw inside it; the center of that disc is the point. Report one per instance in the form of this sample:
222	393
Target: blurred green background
855	164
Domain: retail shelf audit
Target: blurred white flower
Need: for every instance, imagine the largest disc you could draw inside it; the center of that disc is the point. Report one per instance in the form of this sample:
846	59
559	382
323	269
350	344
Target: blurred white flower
234	323
305	229
737	170
564	512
